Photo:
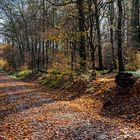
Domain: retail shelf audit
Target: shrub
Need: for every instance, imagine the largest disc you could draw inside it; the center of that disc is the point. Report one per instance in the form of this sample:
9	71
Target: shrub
20	74
135	63
55	79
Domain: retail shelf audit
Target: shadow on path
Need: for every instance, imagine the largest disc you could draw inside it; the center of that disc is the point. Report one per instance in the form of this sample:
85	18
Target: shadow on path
19	96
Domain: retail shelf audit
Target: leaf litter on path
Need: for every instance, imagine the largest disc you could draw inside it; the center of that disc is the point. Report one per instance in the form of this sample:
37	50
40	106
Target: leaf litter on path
28	113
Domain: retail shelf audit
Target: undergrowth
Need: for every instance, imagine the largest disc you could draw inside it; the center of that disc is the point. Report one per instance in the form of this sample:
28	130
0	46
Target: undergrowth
55	79
19	74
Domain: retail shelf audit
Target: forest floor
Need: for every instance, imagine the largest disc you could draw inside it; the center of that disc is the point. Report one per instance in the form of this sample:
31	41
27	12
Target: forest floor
29	112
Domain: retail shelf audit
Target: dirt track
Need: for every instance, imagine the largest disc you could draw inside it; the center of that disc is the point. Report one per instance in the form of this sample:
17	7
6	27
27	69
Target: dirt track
27	113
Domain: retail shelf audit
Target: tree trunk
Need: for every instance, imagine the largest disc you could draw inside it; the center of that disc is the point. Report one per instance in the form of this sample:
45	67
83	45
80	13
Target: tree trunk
119	36
111	10
46	56
135	39
98	35
82	50
38	57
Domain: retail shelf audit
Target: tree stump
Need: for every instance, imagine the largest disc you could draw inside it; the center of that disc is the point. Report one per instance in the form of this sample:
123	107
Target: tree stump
126	79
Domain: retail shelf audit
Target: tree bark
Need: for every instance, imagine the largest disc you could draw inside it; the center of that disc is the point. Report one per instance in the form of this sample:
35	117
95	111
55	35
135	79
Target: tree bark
135	39
111	10
119	36
82	50
98	35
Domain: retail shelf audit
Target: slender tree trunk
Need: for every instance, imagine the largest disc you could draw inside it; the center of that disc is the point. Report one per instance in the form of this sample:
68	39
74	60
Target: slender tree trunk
43	53
13	56
111	9
46	56
73	54
38	57
82	50
32	55
90	41
97	16
119	36
36	54
135	39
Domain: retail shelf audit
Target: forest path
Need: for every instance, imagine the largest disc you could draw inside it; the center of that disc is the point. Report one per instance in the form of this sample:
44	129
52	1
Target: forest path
28	113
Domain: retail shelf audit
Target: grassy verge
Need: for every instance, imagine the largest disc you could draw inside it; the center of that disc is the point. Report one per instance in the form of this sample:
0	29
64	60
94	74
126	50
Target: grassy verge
19	74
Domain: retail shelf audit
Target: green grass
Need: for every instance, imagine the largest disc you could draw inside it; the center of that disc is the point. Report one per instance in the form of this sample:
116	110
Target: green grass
19	74
49	82
52	80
